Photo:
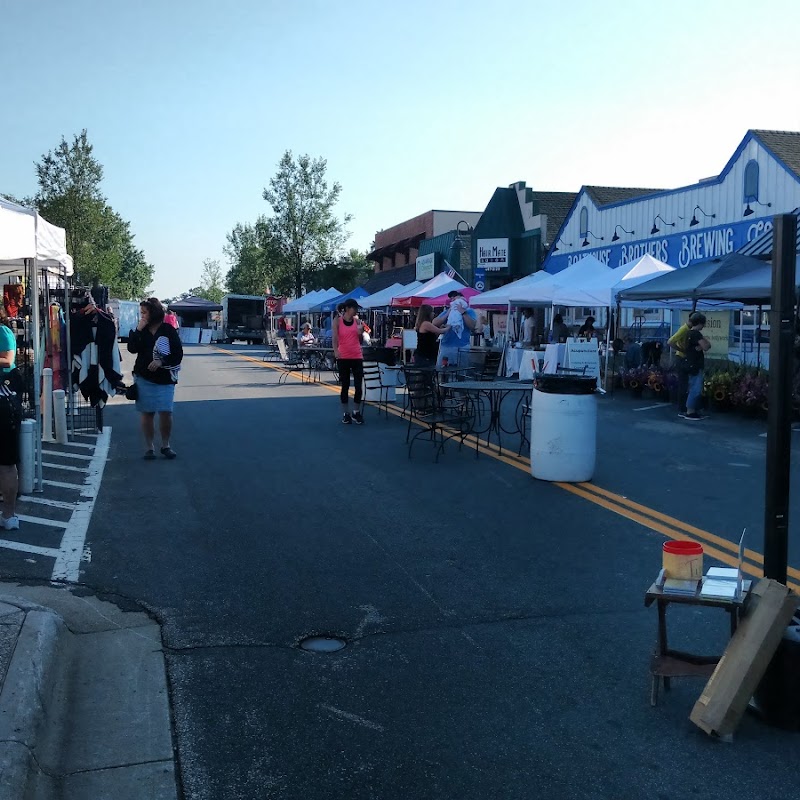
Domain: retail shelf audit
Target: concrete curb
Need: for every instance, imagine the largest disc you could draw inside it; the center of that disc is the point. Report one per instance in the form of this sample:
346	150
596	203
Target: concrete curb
27	697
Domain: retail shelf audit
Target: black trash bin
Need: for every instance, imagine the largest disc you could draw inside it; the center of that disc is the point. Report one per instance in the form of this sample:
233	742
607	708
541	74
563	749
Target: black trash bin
565	384
777	698
383	355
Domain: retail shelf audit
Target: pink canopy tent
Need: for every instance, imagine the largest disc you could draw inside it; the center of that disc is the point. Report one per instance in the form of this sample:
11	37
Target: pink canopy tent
443	299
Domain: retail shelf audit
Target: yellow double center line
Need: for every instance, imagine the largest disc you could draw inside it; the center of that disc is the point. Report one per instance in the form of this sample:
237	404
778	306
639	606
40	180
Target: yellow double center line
716	546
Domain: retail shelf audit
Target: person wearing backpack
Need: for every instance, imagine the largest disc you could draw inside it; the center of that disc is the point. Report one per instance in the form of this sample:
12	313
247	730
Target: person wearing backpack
696	348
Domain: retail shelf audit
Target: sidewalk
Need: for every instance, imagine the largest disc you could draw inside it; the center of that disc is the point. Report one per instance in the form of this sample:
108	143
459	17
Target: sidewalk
84	709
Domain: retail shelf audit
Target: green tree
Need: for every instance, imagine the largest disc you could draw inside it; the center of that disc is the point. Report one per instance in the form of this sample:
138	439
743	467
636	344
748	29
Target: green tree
98	239
134	278
253	257
212	286
69	193
351	271
304	229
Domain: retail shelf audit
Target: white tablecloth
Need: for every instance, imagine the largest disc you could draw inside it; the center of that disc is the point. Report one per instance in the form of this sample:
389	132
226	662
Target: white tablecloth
513	359
551	357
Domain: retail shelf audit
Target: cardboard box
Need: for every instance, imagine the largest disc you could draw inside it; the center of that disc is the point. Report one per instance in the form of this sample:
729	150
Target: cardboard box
768	610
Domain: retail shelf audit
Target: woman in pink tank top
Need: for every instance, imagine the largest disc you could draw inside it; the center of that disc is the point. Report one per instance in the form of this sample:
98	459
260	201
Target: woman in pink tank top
347	331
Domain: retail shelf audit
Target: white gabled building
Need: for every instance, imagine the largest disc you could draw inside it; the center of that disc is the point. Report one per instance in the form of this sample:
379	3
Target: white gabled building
682	226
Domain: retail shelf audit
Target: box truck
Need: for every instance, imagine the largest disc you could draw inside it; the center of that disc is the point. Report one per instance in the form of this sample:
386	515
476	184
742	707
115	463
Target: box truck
243	318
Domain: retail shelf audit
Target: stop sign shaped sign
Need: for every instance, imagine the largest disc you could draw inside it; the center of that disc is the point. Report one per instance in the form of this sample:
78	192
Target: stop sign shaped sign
272	303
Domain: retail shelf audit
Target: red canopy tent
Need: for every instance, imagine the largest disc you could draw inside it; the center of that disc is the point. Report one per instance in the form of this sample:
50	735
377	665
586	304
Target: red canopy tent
441	300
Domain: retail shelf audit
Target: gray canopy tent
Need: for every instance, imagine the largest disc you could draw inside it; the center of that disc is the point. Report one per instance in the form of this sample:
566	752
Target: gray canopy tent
690	282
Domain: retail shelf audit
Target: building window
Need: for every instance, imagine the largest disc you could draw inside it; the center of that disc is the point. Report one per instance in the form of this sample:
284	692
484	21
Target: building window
751	181
584	221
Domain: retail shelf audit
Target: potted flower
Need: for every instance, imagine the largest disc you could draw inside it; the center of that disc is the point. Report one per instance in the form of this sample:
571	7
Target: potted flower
636	379
749	392
717	388
656	382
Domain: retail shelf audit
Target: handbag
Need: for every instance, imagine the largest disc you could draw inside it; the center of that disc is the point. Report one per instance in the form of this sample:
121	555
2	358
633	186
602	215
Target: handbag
12	383
132	392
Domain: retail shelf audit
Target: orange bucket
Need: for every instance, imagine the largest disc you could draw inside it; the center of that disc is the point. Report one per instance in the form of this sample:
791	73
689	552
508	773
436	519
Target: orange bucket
683	560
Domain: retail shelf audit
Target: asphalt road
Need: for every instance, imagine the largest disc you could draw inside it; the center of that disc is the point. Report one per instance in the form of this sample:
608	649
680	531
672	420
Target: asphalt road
497	643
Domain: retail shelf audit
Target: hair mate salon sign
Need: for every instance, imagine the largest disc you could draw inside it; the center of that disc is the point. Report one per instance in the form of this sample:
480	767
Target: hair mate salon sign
493	254
677	250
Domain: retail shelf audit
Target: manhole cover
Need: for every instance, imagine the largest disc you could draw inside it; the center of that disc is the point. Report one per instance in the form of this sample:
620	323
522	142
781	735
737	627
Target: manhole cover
322	644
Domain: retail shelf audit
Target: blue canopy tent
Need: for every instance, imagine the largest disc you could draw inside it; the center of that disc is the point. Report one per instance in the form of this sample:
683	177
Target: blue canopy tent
330	304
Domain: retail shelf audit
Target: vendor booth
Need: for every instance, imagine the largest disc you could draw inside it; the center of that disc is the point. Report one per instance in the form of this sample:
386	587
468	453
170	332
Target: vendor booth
33	254
198	319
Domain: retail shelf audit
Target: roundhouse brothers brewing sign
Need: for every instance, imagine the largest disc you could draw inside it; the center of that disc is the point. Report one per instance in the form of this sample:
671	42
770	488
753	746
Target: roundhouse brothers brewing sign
493	254
677	250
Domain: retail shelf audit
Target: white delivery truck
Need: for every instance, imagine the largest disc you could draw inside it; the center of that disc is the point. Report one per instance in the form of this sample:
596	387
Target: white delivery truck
126	314
243	318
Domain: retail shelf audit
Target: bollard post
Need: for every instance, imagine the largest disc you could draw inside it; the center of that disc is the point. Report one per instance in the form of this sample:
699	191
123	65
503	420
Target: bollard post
60	415
27	465
47	405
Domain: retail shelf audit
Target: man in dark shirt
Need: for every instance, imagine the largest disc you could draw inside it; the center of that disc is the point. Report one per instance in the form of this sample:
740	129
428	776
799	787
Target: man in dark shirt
696	347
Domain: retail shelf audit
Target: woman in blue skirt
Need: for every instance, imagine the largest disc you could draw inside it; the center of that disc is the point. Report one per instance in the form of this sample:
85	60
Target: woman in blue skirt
158	357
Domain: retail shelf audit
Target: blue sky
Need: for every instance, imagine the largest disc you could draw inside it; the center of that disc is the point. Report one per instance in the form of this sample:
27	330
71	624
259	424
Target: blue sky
415	105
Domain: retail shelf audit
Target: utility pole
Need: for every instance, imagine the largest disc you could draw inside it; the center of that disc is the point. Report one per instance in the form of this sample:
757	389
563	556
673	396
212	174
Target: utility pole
779	427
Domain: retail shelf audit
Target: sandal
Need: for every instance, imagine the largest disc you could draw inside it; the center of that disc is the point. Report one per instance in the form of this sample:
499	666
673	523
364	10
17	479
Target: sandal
168	452
150	455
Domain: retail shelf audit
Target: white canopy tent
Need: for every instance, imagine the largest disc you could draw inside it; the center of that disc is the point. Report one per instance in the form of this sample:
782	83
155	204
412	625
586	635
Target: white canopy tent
27	237
542	292
602	288
498	298
310	299
437	285
384	296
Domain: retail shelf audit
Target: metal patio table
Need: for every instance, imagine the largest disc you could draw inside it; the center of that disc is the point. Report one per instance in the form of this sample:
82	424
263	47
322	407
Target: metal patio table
496	392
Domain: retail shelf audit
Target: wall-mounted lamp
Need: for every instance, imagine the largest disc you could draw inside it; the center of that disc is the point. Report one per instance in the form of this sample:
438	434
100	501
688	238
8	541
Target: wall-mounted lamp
655	229
748	211
555	244
615	238
458	245
585	242
694	220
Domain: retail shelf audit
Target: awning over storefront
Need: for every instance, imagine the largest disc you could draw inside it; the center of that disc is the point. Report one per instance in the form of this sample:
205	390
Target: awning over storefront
401	246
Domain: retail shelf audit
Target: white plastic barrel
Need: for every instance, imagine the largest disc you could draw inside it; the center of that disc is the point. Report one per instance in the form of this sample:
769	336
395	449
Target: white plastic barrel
563	436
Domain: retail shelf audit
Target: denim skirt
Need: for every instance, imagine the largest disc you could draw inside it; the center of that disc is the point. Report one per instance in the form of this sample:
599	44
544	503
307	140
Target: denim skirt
154	397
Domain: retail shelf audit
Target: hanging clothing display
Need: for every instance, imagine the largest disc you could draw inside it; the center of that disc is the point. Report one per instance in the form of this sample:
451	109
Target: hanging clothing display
100	296
55	350
96	368
13	298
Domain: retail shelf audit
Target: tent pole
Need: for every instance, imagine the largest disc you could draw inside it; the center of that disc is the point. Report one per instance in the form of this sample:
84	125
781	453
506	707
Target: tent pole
37	364
758	334
506	340
68	343
608	347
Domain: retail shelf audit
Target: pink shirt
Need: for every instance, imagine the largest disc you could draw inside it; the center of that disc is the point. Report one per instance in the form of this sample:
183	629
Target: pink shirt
349	340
